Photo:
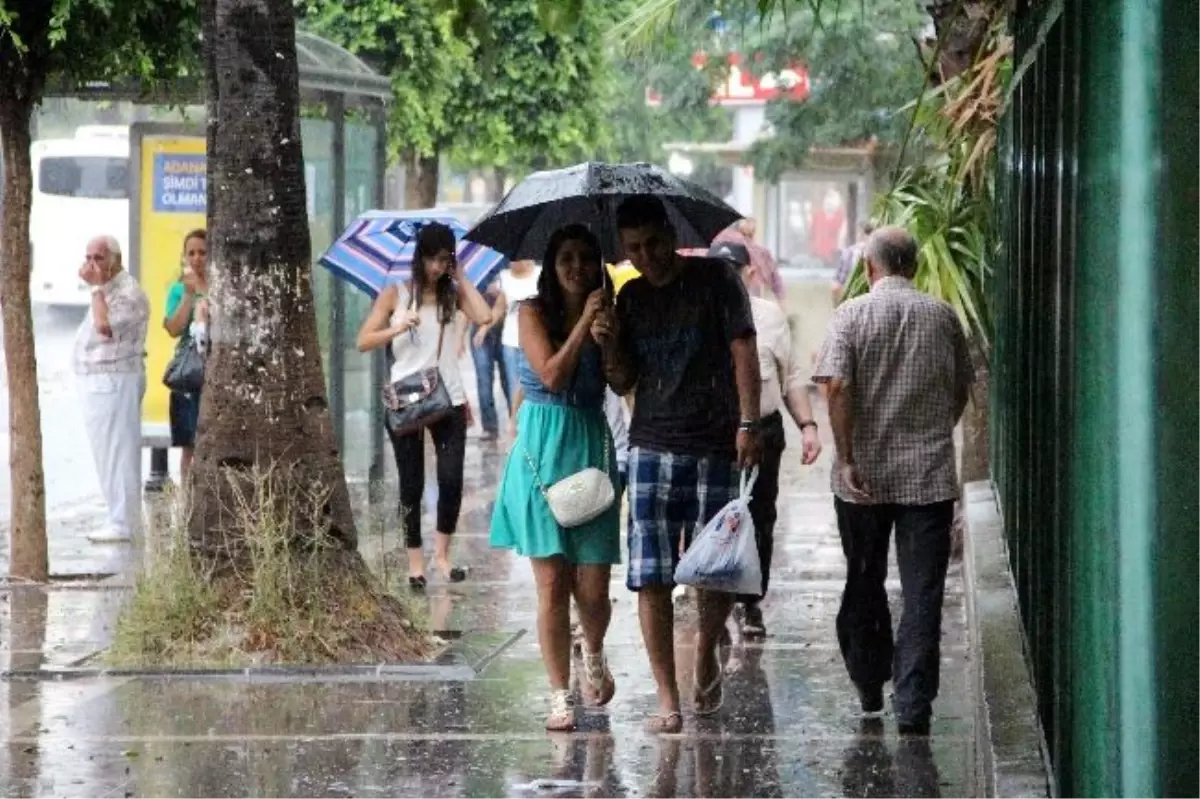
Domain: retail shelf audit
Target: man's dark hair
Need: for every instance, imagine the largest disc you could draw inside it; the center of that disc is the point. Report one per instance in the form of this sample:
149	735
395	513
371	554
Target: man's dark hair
641	210
894	251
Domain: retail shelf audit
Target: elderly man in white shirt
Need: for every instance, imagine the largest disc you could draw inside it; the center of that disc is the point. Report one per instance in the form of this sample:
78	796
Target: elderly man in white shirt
110	351
784	384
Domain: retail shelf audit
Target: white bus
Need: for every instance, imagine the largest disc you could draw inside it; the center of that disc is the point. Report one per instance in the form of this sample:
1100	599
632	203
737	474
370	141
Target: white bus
80	190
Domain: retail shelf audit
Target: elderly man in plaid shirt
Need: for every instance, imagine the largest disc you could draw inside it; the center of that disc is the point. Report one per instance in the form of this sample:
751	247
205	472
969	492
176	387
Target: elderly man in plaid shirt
898	373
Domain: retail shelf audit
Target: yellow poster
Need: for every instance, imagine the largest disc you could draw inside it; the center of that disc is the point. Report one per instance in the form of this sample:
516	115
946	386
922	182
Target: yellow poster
171	200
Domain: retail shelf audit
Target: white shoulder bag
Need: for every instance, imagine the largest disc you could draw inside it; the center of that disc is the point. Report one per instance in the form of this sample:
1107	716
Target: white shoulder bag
580	497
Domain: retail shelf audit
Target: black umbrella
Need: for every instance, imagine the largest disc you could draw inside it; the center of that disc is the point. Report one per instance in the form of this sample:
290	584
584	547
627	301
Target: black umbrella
520	226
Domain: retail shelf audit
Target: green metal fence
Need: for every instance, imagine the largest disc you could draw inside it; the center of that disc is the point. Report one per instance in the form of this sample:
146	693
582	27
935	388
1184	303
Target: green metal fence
1094	403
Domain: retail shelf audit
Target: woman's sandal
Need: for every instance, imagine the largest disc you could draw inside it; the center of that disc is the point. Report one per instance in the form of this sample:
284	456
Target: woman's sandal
562	712
598	677
703	699
664	723
457	574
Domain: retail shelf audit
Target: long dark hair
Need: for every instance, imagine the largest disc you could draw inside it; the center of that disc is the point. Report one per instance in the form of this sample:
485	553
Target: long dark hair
550	303
431	240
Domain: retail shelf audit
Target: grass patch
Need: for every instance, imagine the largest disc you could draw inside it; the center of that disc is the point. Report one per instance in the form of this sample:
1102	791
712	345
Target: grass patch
281	601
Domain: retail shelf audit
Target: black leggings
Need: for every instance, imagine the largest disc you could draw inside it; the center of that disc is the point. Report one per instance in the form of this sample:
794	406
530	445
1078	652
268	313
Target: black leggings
449	445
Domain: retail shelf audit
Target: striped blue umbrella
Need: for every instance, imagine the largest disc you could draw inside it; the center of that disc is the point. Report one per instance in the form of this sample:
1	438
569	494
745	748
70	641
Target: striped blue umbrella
378	249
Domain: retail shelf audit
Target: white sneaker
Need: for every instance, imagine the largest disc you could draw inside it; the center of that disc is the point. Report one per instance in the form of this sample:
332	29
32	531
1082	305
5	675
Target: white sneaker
110	536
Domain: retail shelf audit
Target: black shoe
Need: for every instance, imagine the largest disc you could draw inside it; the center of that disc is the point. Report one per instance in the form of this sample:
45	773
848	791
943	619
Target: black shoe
417	584
870	698
916	728
752	621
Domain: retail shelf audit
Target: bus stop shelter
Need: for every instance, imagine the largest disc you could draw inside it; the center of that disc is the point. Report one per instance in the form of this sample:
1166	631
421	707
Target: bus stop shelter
343	128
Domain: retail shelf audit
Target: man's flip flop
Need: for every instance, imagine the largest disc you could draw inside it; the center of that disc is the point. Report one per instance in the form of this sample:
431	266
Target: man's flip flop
664	724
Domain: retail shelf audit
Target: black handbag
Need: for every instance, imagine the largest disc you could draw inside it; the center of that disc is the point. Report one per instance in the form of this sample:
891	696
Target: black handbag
419	400
185	372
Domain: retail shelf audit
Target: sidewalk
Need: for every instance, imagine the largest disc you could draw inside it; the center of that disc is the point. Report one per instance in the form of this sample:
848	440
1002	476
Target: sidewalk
472	726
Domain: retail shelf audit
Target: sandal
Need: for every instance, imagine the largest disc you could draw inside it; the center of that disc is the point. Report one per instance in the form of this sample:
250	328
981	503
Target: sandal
703	699
457	574
562	712
665	723
417	584
599	678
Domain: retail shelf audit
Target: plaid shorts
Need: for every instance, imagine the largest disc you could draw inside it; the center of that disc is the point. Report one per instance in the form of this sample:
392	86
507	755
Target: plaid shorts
671	497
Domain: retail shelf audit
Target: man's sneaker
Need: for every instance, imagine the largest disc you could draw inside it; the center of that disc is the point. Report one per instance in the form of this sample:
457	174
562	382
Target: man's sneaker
752	621
870	698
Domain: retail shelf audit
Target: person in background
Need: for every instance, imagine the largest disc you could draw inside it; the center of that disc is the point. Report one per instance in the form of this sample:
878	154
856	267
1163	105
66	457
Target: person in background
765	275
517	283
783	383
421	322
562	431
488	354
682	336
827	228
109	356
899	374
848	258
186	319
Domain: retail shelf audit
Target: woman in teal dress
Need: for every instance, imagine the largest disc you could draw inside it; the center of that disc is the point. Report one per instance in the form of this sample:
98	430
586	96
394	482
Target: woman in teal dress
561	430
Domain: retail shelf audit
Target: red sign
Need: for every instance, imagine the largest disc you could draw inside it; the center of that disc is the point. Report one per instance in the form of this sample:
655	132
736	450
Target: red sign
743	87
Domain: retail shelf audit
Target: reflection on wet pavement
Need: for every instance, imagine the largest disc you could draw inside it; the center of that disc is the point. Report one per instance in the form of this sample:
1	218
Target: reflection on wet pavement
790	726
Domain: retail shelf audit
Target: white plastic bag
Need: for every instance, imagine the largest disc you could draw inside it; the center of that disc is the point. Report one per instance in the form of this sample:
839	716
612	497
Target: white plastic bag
724	556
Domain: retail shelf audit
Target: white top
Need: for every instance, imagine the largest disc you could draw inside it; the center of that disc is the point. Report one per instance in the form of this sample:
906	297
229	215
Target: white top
129	318
417	349
780	370
614	412
516	290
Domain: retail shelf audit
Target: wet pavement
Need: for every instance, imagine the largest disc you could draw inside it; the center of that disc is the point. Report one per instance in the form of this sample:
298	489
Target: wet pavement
471	725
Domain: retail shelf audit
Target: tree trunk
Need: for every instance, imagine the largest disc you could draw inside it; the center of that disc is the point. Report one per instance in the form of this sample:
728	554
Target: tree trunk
500	178
964	32
27	537
420	180
264	403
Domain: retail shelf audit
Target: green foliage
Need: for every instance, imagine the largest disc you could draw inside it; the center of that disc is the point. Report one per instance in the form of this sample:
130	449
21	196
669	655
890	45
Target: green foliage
150	40
414	43
862	69
514	85
538	95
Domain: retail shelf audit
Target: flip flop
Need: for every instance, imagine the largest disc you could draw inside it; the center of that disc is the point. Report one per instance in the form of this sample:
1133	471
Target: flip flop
562	712
664	723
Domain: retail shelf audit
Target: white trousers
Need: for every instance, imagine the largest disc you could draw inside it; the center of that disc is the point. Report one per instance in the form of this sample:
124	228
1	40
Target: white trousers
112	411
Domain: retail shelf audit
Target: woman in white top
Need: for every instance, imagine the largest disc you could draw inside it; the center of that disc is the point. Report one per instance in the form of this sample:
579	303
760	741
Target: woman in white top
420	321
517	284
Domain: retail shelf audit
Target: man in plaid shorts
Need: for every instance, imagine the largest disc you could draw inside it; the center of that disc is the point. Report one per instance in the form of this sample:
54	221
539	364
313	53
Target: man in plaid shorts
899	374
682	337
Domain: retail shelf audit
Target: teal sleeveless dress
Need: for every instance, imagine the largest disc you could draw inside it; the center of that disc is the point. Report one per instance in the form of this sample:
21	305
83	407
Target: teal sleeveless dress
562	433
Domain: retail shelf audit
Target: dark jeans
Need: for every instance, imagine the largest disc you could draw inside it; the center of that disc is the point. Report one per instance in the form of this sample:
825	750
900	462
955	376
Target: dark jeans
449	445
864	623
766	492
488	360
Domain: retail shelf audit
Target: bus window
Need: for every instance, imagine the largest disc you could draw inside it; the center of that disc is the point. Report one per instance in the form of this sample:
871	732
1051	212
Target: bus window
88	177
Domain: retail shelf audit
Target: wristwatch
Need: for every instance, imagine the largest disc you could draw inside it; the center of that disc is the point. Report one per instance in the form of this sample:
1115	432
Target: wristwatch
808	423
749	425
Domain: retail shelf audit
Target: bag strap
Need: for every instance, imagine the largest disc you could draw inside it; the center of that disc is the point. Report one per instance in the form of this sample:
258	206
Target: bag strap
441	325
748	486
537	478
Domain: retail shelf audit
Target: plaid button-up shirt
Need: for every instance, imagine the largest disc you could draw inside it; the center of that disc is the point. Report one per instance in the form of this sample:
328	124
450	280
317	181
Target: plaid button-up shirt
903	356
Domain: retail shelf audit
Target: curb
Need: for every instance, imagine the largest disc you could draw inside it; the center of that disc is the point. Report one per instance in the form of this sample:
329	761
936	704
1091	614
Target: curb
1010	746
